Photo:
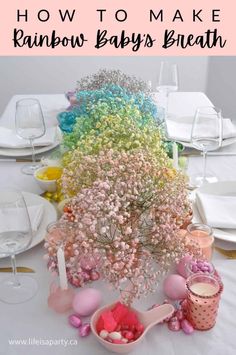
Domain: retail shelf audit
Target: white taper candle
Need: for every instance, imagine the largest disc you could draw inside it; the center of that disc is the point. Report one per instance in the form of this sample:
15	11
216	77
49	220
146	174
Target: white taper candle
62	269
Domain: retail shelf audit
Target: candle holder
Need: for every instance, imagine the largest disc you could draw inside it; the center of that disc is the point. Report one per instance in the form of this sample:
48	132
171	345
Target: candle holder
60	300
193	267
203	236
56	233
203	296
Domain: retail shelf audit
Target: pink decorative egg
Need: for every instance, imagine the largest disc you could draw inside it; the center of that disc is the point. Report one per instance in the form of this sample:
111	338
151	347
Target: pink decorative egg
174	287
87	301
181	266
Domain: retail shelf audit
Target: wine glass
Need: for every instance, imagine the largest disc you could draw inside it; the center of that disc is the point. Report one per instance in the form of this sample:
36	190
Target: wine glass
29	122
168	80
206	135
15	237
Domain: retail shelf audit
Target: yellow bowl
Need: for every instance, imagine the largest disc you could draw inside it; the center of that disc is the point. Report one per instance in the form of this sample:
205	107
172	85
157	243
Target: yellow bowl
44	181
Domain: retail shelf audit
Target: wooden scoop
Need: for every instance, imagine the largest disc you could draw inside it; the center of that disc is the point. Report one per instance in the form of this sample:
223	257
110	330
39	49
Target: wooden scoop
148	319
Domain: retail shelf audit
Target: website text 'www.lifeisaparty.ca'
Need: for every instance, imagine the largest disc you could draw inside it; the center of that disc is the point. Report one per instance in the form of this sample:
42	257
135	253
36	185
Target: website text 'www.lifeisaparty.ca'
42	342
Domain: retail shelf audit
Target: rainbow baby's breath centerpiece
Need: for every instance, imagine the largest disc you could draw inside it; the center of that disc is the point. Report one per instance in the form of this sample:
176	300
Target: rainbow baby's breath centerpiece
113	76
127	202
121	133
127	219
92	105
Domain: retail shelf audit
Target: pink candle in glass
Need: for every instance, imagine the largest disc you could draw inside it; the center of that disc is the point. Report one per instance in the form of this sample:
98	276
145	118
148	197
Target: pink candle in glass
203	235
203	297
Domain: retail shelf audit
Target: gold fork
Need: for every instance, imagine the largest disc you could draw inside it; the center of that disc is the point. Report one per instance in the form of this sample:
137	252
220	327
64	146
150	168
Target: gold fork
230	254
18	269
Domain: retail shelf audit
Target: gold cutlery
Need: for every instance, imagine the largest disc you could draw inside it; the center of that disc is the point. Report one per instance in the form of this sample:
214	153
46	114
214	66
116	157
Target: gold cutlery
18	160
190	154
230	254
209	154
18	269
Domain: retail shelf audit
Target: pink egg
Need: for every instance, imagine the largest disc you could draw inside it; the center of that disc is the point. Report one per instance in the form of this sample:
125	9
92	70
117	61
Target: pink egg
87	301
181	266
175	287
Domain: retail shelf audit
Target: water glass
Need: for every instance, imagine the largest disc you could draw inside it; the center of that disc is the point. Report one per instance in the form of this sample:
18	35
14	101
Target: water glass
206	136
29	122
15	237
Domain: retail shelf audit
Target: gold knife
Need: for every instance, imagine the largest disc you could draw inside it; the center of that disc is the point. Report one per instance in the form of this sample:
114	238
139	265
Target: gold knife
18	269
230	254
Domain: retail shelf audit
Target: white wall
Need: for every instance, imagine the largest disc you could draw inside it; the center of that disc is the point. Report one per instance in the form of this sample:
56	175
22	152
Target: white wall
221	84
38	75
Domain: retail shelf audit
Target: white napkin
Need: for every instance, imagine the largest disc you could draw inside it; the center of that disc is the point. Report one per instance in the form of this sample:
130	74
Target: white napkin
9	139
180	128
218	211
7	222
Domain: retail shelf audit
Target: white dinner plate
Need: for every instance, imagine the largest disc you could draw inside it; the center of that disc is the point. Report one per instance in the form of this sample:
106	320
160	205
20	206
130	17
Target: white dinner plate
24	152
218	188
225	143
49	216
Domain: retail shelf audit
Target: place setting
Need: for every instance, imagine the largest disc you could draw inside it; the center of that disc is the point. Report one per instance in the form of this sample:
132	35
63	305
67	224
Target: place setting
213	200
24	216
128	252
26	134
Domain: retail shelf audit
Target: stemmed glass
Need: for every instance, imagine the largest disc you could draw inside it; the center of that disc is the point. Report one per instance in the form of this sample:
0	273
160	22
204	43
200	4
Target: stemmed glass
15	237
29	122
206	135
168	80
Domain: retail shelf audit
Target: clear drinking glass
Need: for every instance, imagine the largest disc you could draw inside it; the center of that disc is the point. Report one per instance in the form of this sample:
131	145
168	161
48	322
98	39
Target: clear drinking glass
15	237
168	80
206	136
29	122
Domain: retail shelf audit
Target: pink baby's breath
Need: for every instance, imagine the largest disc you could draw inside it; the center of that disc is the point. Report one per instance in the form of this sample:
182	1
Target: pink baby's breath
128	220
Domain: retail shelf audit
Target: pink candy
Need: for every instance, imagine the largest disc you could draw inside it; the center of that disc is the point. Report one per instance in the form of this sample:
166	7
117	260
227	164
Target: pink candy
174	324
128	334
196	266
178	321
85	276
186	326
140	327
75	321
94	275
84	330
179	314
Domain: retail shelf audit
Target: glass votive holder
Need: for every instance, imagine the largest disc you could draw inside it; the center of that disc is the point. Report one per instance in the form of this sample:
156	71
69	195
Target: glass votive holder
60	300
198	266
203	236
203	296
55	233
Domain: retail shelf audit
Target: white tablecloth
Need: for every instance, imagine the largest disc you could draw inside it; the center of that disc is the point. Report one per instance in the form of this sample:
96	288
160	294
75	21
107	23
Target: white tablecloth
33	322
